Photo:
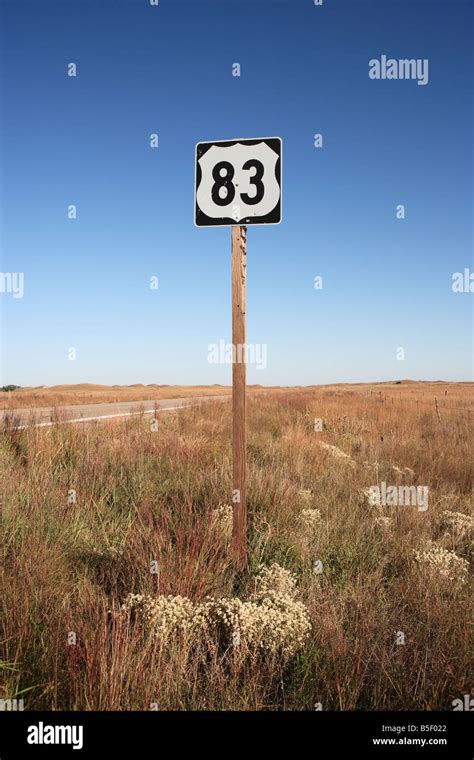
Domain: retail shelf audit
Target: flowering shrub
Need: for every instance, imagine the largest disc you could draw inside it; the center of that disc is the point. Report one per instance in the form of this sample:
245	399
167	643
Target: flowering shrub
272	621
310	519
445	563
275	578
166	615
335	451
458	523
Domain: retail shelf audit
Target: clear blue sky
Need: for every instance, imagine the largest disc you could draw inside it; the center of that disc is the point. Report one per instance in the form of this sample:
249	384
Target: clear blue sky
168	69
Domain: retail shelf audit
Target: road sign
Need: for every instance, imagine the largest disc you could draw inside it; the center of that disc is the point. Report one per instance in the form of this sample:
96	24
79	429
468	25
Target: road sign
238	182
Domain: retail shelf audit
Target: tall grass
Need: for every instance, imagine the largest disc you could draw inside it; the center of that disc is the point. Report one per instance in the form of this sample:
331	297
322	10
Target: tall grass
86	509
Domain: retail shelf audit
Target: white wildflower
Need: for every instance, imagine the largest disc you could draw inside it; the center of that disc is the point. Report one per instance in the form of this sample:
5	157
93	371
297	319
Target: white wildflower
275	578
310	519
166	615
443	562
223	519
458	523
272	621
338	453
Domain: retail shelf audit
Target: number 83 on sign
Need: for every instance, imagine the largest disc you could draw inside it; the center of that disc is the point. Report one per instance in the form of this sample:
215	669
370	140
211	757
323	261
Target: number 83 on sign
238	182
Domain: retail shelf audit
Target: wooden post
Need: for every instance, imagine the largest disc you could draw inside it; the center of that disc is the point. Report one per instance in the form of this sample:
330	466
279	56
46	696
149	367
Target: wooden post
239	264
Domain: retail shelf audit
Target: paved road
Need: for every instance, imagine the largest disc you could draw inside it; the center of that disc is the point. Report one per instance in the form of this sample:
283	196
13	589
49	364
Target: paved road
45	416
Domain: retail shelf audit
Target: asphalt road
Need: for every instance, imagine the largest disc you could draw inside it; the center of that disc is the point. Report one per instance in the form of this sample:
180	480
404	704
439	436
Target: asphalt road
45	416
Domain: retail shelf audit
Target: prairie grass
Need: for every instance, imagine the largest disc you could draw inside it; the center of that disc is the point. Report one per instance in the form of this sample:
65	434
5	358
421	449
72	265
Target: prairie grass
88	393
87	509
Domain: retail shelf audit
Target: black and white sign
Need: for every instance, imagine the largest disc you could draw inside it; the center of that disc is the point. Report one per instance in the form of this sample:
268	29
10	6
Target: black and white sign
238	182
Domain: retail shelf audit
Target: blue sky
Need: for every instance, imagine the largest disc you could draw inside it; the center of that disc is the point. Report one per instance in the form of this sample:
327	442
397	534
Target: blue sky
387	282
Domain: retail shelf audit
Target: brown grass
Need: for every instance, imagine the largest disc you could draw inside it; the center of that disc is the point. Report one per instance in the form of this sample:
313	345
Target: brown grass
449	395
86	393
144	495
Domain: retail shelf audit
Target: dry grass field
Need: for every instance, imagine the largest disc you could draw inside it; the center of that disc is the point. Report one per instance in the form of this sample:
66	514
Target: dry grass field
87	393
449	395
117	589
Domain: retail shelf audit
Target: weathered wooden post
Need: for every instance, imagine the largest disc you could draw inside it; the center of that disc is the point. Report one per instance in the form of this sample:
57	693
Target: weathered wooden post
239	435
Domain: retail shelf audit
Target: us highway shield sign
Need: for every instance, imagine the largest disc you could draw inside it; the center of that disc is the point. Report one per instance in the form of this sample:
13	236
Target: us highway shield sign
238	182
